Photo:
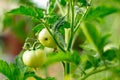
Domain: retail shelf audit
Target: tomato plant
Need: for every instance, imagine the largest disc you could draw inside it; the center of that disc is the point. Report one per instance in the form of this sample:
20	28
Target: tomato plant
73	29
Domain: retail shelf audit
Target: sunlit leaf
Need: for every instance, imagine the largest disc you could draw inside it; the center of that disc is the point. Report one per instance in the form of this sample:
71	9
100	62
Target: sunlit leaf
28	11
38	28
51	19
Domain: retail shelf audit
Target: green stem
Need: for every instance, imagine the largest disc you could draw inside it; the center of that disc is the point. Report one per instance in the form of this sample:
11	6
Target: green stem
27	45
102	58
34	45
67	65
97	71
72	27
83	71
60	7
67	68
93	72
67	71
68	11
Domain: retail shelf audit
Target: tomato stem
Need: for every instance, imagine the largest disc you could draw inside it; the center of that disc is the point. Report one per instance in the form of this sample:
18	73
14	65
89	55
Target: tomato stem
60	7
72	27
93	72
34	45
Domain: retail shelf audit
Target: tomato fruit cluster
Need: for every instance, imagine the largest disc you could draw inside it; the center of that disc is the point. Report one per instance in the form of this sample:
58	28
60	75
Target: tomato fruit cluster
34	58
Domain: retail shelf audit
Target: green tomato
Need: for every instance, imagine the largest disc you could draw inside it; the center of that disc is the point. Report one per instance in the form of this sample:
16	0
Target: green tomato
34	58
46	39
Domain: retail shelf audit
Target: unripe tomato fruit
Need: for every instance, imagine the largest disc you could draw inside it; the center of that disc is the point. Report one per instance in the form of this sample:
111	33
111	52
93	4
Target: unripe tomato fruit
34	58
46	39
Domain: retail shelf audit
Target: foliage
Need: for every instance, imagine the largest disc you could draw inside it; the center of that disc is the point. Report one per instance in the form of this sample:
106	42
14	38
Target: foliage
93	56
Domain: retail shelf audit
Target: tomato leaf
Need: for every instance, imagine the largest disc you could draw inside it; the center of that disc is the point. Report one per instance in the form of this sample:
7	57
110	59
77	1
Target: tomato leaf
75	57
38	28
110	54
93	60
53	57
11	71
62	2
92	34
100	12
16	74
28	11
118	53
104	41
59	22
19	63
60	38
58	57
4	69
87	65
63	26
51	19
